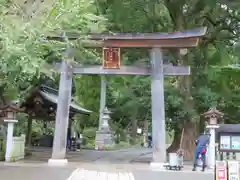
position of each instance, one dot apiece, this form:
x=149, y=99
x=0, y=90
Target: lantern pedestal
x=211, y=149
x=9, y=143
x=103, y=138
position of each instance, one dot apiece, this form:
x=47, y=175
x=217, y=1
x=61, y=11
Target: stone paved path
x=89, y=171
x=100, y=175
x=119, y=156
x=92, y=165
x=34, y=173
x=138, y=175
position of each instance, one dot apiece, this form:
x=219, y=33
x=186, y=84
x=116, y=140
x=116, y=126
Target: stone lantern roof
x=12, y=106
x=213, y=113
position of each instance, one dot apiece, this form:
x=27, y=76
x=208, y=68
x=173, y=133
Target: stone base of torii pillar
x=57, y=162
x=158, y=166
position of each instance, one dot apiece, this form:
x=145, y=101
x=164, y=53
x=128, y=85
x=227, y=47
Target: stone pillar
x=158, y=111
x=9, y=143
x=211, y=149
x=102, y=99
x=212, y=124
x=62, y=117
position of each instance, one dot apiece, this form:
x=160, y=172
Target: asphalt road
x=129, y=164
x=154, y=175
x=34, y=173
x=100, y=172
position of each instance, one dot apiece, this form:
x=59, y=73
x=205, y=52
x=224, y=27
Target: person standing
x=69, y=138
x=201, y=149
x=149, y=140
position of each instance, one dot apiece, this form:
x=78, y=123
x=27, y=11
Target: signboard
x=235, y=143
x=229, y=143
x=221, y=170
x=111, y=58
x=139, y=130
x=225, y=142
x=233, y=170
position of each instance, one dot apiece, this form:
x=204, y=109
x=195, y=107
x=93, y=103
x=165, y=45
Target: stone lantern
x=105, y=119
x=104, y=135
x=9, y=115
x=212, y=116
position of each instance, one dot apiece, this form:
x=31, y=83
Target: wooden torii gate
x=111, y=66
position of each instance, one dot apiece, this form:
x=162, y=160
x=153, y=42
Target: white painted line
x=131, y=177
x=112, y=176
x=101, y=176
x=122, y=176
x=73, y=174
x=82, y=174
x=89, y=175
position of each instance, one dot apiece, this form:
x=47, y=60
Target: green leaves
x=24, y=27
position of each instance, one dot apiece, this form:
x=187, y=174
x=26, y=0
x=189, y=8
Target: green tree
x=196, y=92
x=25, y=48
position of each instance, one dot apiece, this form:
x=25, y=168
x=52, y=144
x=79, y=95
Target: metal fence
x=226, y=155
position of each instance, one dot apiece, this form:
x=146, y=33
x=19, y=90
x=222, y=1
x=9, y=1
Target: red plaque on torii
x=111, y=58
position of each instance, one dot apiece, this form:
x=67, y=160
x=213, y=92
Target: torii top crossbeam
x=185, y=39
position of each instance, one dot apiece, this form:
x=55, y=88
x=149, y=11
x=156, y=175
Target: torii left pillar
x=63, y=104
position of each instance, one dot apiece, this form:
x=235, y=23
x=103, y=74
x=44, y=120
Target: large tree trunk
x=175, y=143
x=188, y=140
x=190, y=121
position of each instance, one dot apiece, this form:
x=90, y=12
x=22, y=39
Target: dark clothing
x=201, y=144
x=68, y=138
x=149, y=138
x=199, y=150
x=203, y=140
x=149, y=141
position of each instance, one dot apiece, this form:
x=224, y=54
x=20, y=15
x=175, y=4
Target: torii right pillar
x=179, y=40
x=212, y=116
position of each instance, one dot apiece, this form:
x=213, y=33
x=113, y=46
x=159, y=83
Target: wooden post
x=29, y=132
